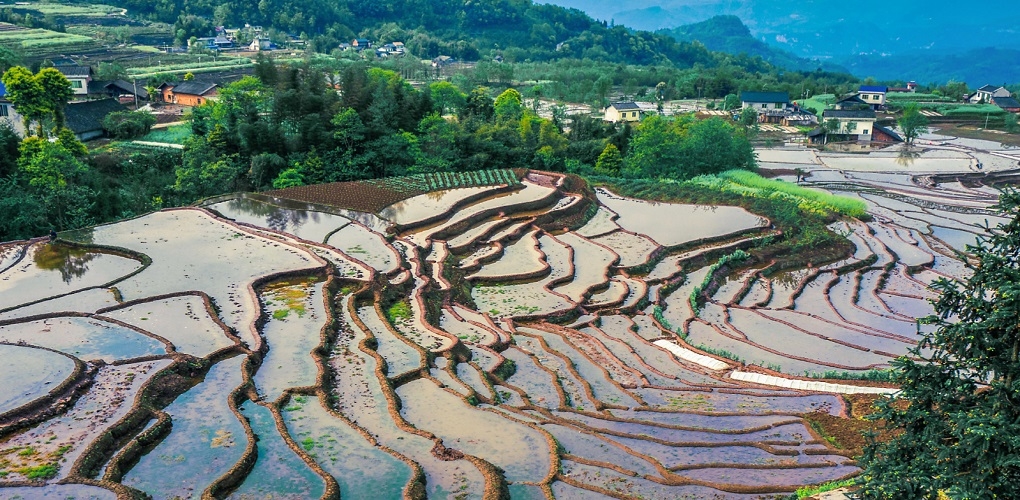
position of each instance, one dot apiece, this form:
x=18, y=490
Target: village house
x=852, y=101
x=85, y=118
x=623, y=112
x=984, y=95
x=873, y=95
x=259, y=44
x=854, y=123
x=442, y=61
x=188, y=93
x=79, y=76
x=10, y=115
x=910, y=88
x=765, y=101
x=1008, y=104
x=361, y=44
x=122, y=90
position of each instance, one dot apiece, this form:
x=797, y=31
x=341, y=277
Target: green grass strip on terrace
x=811, y=200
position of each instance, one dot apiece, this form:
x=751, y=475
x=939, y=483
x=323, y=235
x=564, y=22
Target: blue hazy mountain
x=919, y=38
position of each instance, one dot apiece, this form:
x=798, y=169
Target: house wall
x=875, y=99
x=168, y=94
x=763, y=106
x=79, y=85
x=614, y=115
x=863, y=130
x=1001, y=92
x=13, y=117
x=189, y=99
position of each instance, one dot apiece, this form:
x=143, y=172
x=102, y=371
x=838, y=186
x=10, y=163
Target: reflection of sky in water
x=287, y=217
x=954, y=237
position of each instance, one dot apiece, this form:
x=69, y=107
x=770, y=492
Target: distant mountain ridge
x=729, y=34
x=931, y=42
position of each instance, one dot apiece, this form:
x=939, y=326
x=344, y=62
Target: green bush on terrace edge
x=751, y=184
x=822, y=488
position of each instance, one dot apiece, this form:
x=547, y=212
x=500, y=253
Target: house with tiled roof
x=623, y=112
x=984, y=95
x=191, y=93
x=874, y=95
x=765, y=101
x=1008, y=104
x=79, y=76
x=85, y=118
x=857, y=123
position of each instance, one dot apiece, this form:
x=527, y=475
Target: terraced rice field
x=266, y=348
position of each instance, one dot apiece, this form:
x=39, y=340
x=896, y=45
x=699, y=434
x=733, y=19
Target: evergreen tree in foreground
x=960, y=434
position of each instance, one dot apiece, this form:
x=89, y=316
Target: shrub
x=128, y=124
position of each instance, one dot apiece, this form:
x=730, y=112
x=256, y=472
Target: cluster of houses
x=392, y=49
x=92, y=100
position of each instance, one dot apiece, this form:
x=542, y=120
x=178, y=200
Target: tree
x=1010, y=123
x=748, y=117
x=56, y=90
x=731, y=102
x=9, y=143
x=912, y=123
x=25, y=92
x=958, y=410
x=610, y=161
x=446, y=96
x=509, y=105
x=831, y=127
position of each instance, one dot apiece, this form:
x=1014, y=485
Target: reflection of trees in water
x=72, y=262
x=277, y=219
x=907, y=157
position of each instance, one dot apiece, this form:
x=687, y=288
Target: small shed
x=623, y=112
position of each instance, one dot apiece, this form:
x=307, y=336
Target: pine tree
x=960, y=434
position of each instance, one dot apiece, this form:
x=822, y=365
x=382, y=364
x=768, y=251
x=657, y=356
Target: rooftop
x=86, y=116
x=989, y=88
x=848, y=113
x=1006, y=102
x=626, y=106
x=873, y=88
x=77, y=71
x=764, y=97
x=193, y=87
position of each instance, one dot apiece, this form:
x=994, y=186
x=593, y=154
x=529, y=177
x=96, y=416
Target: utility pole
x=134, y=83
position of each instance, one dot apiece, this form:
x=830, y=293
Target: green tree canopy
x=960, y=431
x=912, y=123
x=509, y=105
x=610, y=161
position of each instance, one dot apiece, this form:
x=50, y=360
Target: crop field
x=67, y=10
x=37, y=42
x=492, y=334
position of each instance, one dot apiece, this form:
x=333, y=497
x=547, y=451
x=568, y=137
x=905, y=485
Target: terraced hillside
x=530, y=339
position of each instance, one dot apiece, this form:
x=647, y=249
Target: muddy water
x=465, y=239
x=206, y=440
x=748, y=404
x=184, y=321
x=193, y=251
x=304, y=223
x=426, y=206
x=296, y=316
x=29, y=374
x=526, y=299
x=465, y=331
x=367, y=246
x=522, y=452
x=520, y=258
x=634, y=250
x=59, y=492
x=591, y=265
x=587, y=445
x=400, y=357
x=109, y=399
x=702, y=334
x=48, y=270
x=84, y=338
x=361, y=469
x=788, y=478
x=539, y=385
x=85, y=301
x=613, y=295
x=636, y=486
x=601, y=223
x=675, y=224
x=278, y=472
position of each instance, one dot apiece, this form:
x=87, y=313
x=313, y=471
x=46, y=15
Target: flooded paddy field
x=522, y=341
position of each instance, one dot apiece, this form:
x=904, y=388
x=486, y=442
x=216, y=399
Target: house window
x=764, y=106
x=3, y=111
x=864, y=132
x=76, y=84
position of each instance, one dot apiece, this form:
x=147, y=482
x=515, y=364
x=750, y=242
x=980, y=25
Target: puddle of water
x=675, y=224
x=54, y=269
x=361, y=469
x=278, y=472
x=303, y=222
x=634, y=250
x=426, y=206
x=84, y=338
x=206, y=440
x=520, y=451
x=184, y=321
x=296, y=317
x=367, y=246
x=61, y=440
x=30, y=374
